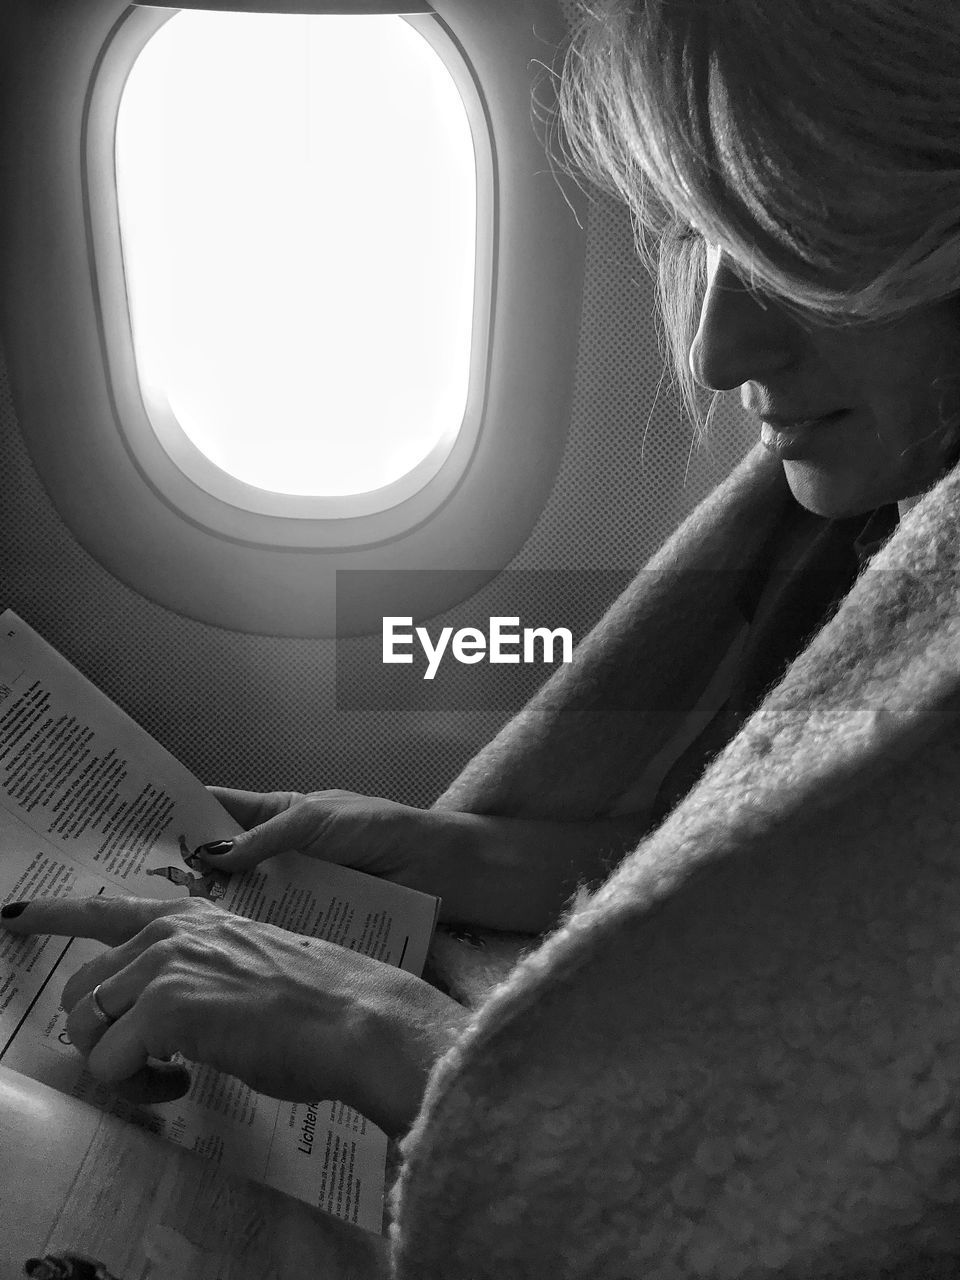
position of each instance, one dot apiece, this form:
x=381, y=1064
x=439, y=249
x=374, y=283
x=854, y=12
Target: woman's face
x=860, y=415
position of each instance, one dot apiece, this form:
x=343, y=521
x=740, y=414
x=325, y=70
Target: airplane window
x=297, y=199
x=314, y=289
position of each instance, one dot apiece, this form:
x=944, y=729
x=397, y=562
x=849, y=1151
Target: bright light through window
x=298, y=220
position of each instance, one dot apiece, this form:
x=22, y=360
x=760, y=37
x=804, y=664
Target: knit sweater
x=741, y=1055
x=806, y=569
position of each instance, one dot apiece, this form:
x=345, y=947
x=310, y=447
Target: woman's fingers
x=374, y=835
x=110, y=920
x=270, y=1007
x=100, y=970
x=251, y=808
x=158, y=1082
x=283, y=821
x=129, y=1053
x=130, y=926
x=125, y=1045
x=293, y=1017
x=95, y=1003
x=85, y=1020
x=123, y=1049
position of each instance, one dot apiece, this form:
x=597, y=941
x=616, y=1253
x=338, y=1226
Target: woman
x=740, y=1055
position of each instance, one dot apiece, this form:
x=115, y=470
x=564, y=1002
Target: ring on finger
x=103, y=1017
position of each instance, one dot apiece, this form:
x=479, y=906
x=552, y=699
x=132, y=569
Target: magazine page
x=77, y=1182
x=90, y=803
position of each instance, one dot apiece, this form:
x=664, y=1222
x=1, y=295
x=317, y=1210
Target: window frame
x=183, y=473
x=252, y=572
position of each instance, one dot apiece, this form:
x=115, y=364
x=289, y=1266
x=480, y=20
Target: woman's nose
x=741, y=337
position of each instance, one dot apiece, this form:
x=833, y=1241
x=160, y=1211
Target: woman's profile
x=729, y=825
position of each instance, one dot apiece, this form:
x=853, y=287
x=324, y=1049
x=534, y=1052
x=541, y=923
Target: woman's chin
x=832, y=496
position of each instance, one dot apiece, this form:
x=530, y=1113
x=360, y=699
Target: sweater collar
x=879, y=525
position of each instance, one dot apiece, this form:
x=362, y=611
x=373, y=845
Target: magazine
x=100, y=1199
x=91, y=804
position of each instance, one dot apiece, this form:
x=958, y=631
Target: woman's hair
x=816, y=141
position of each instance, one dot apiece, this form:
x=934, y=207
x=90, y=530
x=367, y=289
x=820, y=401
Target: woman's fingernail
x=216, y=848
x=12, y=909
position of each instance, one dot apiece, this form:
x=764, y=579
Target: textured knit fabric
x=802, y=572
x=741, y=1056
x=806, y=569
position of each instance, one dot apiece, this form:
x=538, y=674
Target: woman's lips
x=792, y=438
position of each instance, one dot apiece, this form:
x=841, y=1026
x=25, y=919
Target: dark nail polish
x=12, y=909
x=216, y=848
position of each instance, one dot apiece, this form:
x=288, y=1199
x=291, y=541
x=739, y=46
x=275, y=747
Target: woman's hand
x=394, y=841
x=293, y=1017
x=488, y=871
